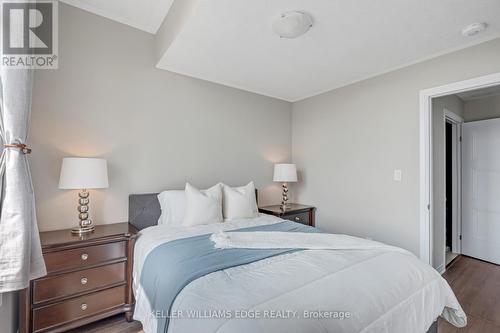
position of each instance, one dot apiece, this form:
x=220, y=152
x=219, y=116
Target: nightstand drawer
x=83, y=256
x=68, y=284
x=299, y=218
x=77, y=308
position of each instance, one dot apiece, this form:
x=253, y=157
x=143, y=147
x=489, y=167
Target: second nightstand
x=296, y=213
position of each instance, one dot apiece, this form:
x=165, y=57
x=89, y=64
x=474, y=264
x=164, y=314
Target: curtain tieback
x=21, y=146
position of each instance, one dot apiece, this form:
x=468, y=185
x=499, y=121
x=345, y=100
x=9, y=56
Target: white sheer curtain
x=20, y=253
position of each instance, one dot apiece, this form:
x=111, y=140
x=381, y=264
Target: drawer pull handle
x=84, y=280
x=83, y=306
x=297, y=218
x=85, y=256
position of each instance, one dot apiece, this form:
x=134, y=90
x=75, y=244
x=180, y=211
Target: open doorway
x=466, y=176
x=471, y=207
x=453, y=184
x=428, y=209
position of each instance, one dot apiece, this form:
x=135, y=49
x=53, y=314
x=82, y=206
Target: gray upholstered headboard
x=144, y=209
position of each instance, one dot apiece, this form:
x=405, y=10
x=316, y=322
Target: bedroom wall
x=482, y=109
x=456, y=105
x=8, y=312
x=347, y=143
x=156, y=129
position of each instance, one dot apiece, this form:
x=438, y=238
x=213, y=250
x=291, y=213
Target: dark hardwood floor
x=477, y=286
x=116, y=324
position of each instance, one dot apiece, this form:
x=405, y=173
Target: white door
x=481, y=190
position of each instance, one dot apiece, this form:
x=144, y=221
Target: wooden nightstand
x=296, y=213
x=88, y=278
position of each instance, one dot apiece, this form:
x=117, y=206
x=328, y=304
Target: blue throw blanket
x=173, y=265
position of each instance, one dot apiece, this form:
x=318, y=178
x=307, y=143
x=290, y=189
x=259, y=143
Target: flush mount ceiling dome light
x=474, y=29
x=292, y=24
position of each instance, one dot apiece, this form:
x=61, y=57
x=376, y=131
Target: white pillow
x=239, y=202
x=203, y=207
x=173, y=207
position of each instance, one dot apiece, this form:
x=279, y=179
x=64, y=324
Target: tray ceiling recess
x=337, y=42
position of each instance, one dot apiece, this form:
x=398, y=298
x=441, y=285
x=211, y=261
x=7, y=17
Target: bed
x=291, y=291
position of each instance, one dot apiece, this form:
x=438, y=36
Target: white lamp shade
x=83, y=173
x=285, y=173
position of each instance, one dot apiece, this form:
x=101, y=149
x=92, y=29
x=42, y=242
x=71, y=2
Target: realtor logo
x=29, y=34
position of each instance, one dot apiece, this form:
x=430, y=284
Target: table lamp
x=285, y=173
x=83, y=174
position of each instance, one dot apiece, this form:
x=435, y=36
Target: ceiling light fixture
x=473, y=29
x=292, y=24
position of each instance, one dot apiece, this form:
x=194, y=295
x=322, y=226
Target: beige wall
x=8, y=312
x=156, y=129
x=482, y=109
x=456, y=105
x=348, y=141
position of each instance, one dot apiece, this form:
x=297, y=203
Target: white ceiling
x=231, y=41
x=146, y=15
x=480, y=93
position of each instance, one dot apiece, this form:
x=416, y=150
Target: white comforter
x=377, y=290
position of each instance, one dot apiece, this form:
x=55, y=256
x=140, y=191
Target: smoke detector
x=473, y=29
x=292, y=24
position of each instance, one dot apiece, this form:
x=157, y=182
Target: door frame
x=456, y=158
x=426, y=96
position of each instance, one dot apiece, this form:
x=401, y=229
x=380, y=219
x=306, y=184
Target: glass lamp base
x=285, y=207
x=82, y=230
x=85, y=224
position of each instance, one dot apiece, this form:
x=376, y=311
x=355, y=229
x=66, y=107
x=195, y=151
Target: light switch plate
x=398, y=175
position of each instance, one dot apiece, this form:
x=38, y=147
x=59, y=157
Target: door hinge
x=460, y=139
x=428, y=206
x=460, y=237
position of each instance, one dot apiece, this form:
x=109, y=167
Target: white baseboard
x=441, y=269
